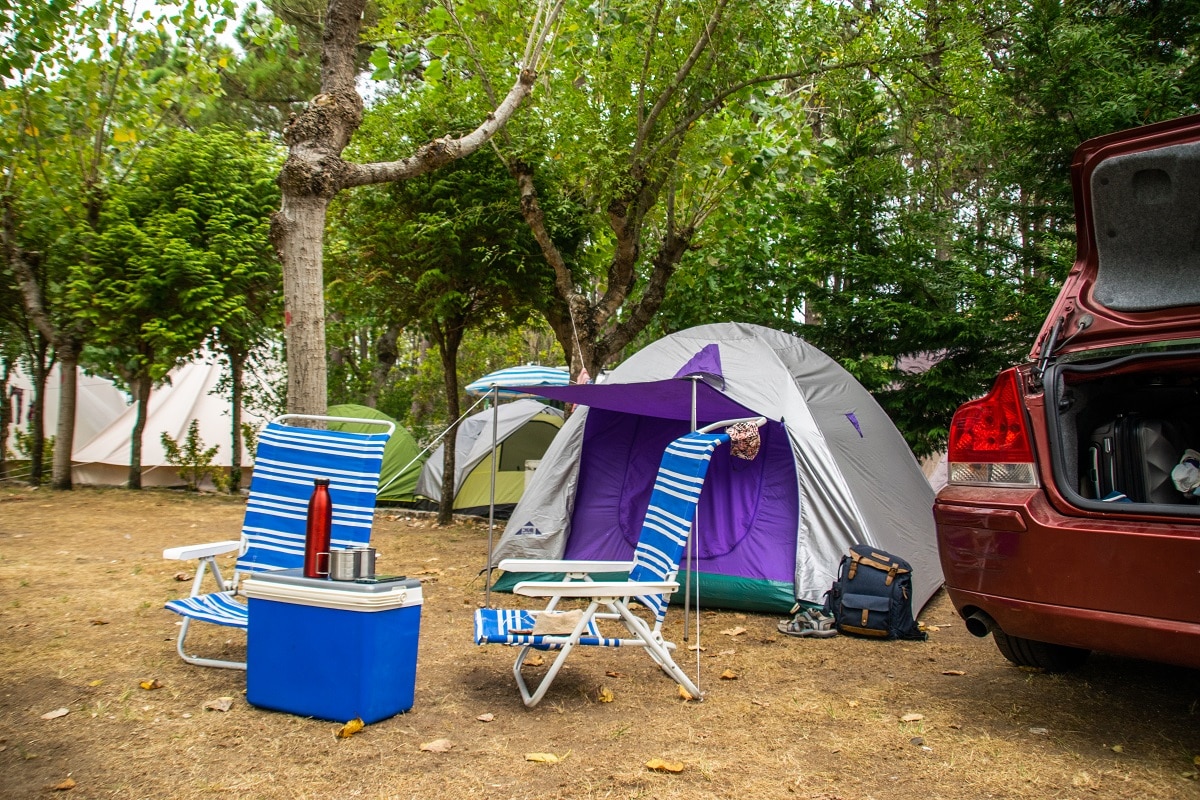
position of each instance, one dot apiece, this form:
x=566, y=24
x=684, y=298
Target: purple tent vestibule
x=832, y=469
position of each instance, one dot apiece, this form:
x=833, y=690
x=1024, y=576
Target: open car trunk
x=1119, y=427
x=1119, y=353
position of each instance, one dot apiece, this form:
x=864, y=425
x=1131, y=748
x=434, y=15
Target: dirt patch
x=82, y=584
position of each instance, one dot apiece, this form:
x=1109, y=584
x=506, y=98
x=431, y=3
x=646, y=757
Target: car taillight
x=989, y=439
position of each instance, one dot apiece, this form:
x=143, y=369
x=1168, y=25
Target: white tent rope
x=432, y=444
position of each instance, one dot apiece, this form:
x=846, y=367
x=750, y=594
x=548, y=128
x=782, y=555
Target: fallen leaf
x=695, y=648
x=728, y=652
x=56, y=713
x=605, y=695
x=1116, y=748
x=543, y=758
x=99, y=622
x=684, y=693
x=183, y=576
x=486, y=717
x=350, y=728
x=1040, y=731
x=438, y=746
x=66, y=785
x=852, y=703
x=760, y=703
x=953, y=672
x=614, y=674
x=917, y=741
x=153, y=683
x=738, y=631
x=658, y=765
x=534, y=660
x=912, y=717
x=729, y=675
x=220, y=704
x=94, y=684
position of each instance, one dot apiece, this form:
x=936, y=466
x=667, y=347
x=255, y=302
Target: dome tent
x=832, y=470
x=402, y=458
x=524, y=429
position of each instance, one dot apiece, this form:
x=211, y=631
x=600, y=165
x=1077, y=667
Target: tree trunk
x=68, y=394
x=314, y=172
x=37, y=418
x=237, y=368
x=386, y=355
x=5, y=415
x=141, y=391
x=449, y=353
x=302, y=223
x=67, y=344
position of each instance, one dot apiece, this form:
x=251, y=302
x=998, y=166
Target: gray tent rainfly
x=832, y=471
x=524, y=429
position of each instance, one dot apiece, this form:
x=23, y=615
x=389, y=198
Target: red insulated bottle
x=316, y=532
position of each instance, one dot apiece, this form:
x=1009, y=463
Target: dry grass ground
x=82, y=584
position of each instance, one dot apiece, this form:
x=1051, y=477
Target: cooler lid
x=1136, y=277
x=290, y=586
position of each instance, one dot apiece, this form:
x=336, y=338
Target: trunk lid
x=1136, y=277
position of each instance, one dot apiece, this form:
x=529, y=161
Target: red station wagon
x=1071, y=520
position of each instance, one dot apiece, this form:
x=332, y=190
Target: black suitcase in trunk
x=1134, y=456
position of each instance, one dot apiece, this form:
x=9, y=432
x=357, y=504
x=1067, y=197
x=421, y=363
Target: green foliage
x=250, y=437
x=177, y=246
x=23, y=445
x=453, y=261
x=194, y=460
x=273, y=75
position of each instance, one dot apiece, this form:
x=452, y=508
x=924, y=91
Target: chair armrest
x=193, y=551
x=553, y=565
x=592, y=588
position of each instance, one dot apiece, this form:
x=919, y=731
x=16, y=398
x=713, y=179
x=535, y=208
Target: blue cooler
x=334, y=650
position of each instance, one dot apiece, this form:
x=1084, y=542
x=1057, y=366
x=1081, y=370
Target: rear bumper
x=1167, y=641
x=1108, y=582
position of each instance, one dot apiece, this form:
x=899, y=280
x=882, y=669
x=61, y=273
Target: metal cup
x=365, y=565
x=343, y=565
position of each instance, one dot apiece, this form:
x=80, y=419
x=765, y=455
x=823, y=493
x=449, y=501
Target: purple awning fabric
x=669, y=399
x=706, y=364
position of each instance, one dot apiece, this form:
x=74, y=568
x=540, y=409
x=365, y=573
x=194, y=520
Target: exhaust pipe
x=980, y=624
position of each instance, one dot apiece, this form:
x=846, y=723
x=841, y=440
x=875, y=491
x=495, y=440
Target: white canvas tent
x=832, y=470
x=97, y=403
x=104, y=461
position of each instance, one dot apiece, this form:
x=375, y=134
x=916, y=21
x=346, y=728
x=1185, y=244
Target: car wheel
x=1028, y=653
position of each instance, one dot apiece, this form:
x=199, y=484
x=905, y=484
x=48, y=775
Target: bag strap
x=877, y=561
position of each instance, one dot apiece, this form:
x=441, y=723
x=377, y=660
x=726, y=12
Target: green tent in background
x=402, y=458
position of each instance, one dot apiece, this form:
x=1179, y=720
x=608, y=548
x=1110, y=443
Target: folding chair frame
x=219, y=607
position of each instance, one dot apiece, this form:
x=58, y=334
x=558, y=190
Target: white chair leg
x=197, y=660
x=659, y=650
x=532, y=699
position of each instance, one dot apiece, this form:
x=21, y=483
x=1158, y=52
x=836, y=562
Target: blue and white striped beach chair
x=651, y=580
x=289, y=458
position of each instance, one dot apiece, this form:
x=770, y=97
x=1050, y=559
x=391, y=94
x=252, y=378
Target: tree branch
x=442, y=151
x=680, y=76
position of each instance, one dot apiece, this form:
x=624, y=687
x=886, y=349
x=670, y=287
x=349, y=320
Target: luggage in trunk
x=1132, y=457
x=1119, y=426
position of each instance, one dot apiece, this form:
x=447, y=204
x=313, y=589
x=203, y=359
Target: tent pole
x=492, y=499
x=687, y=561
